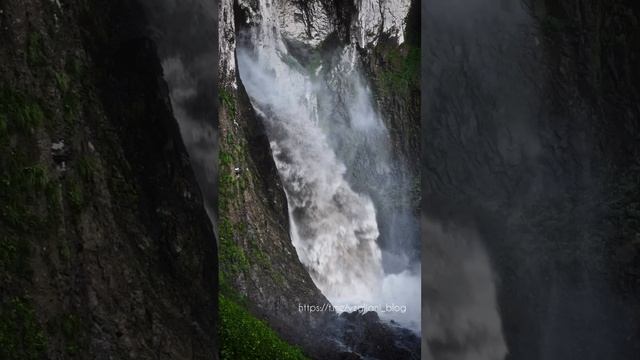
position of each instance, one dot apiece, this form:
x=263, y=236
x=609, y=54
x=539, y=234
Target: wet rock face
x=362, y=22
x=528, y=137
x=365, y=334
x=310, y=22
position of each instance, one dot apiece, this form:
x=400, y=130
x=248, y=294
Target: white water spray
x=320, y=123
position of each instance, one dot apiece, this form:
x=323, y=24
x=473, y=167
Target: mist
x=187, y=39
x=460, y=309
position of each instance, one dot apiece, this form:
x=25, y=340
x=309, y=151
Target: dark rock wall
x=531, y=137
x=107, y=251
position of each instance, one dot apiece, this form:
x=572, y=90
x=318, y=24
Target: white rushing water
x=332, y=151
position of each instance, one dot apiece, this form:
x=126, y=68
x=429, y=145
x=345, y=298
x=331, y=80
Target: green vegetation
x=232, y=257
x=21, y=337
x=226, y=100
x=4, y=123
x=29, y=206
x=71, y=331
x=19, y=215
x=76, y=195
x=35, y=50
x=233, y=260
x=258, y=256
x=62, y=81
x=24, y=182
x=23, y=185
x=71, y=103
x=402, y=72
x=225, y=159
x=225, y=181
x=244, y=337
x=87, y=167
x=18, y=113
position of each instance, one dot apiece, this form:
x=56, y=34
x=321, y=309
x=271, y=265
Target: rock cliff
x=106, y=249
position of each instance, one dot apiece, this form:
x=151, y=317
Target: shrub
x=244, y=337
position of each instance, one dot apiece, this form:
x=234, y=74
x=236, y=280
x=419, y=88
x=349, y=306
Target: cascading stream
x=332, y=151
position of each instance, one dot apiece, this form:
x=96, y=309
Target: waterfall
x=332, y=152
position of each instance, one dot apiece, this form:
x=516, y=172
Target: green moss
x=228, y=184
x=225, y=191
x=227, y=100
x=4, y=121
x=19, y=191
x=19, y=113
x=225, y=158
x=77, y=183
x=54, y=198
x=402, y=72
x=21, y=218
x=87, y=168
x=278, y=278
x=64, y=250
x=62, y=81
x=21, y=337
x=35, y=50
x=259, y=257
x=36, y=177
x=75, y=194
x=71, y=329
x=232, y=258
x=244, y=337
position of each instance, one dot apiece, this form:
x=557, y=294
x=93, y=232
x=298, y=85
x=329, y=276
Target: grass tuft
x=244, y=337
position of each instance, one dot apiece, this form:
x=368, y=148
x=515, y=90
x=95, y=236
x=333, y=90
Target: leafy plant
x=244, y=337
